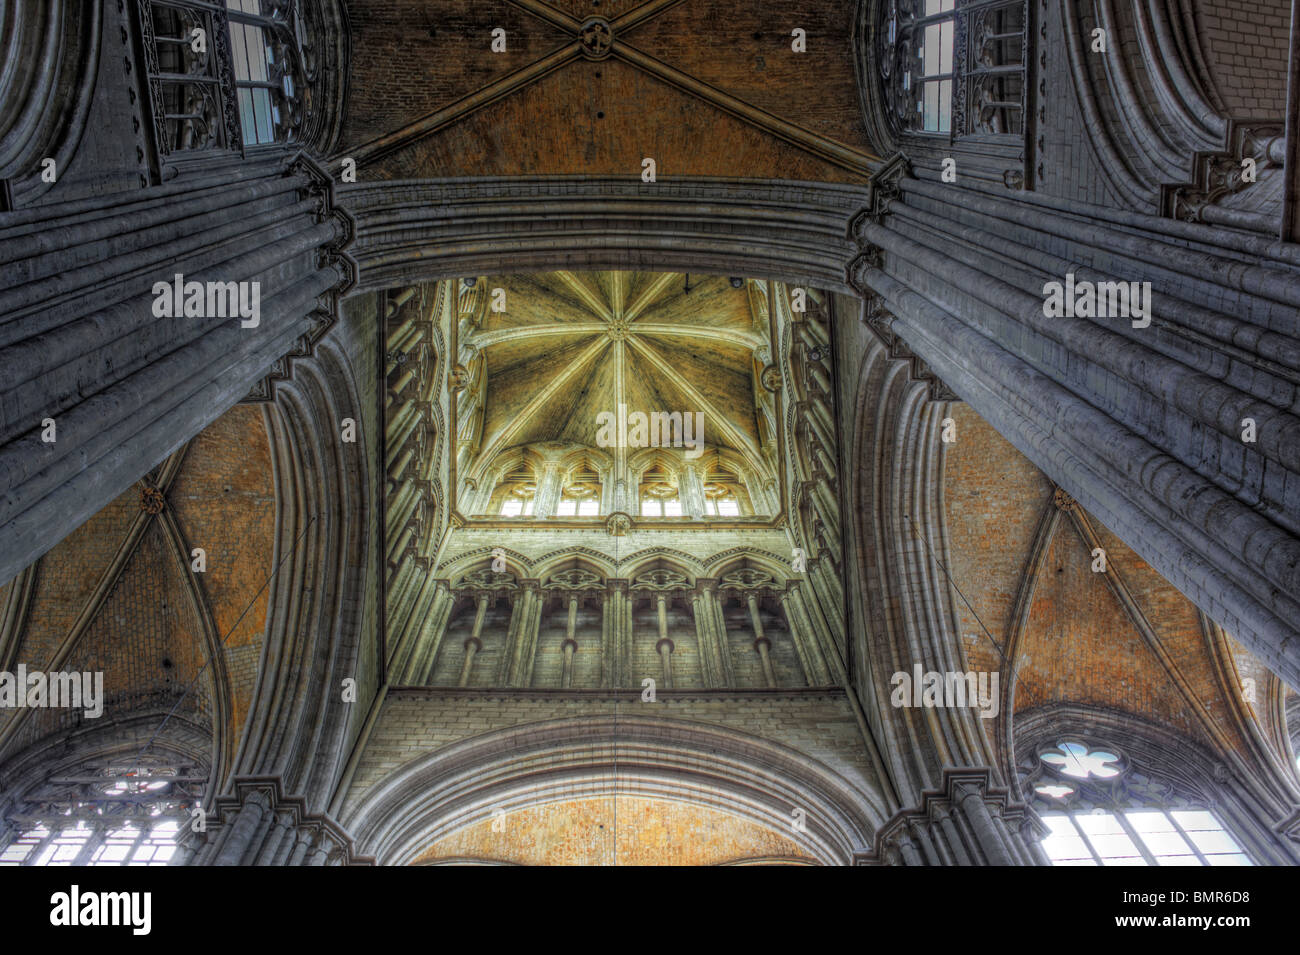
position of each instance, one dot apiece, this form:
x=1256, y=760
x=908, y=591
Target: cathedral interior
x=637, y=432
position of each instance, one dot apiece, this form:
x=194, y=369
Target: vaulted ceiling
x=122, y=593
x=1036, y=603
x=705, y=87
x=570, y=346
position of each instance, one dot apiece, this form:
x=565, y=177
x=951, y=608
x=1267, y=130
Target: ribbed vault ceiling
x=571, y=345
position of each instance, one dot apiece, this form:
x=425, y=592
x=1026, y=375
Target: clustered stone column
x=711, y=635
x=259, y=825
x=810, y=649
x=521, y=637
x=966, y=822
x=1163, y=420
x=616, y=634
x=818, y=512
x=83, y=348
x=415, y=407
x=762, y=645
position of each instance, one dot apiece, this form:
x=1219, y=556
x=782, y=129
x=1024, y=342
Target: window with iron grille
x=228, y=75
x=105, y=814
x=955, y=68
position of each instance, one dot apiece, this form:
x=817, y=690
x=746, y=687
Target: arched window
x=720, y=501
x=195, y=48
x=102, y=815
x=1100, y=811
x=518, y=500
x=918, y=62
x=955, y=66
x=582, y=500
x=934, y=66
x=255, y=68
x=581, y=494
x=725, y=495
x=659, y=495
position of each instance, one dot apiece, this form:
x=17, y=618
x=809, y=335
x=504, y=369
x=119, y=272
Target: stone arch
x=750, y=558
x=1264, y=823
x=660, y=557
x=46, y=97
x=582, y=558
x=1164, y=119
x=492, y=475
x=481, y=558
x=424, y=230
x=641, y=460
x=905, y=604
x=1291, y=712
x=598, y=457
x=299, y=724
x=749, y=484
x=538, y=763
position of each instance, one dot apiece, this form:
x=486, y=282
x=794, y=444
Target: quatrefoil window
x=1077, y=760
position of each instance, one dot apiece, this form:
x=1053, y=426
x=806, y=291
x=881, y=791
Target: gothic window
x=955, y=67
x=725, y=495
x=720, y=501
x=184, y=79
x=659, y=496
x=934, y=65
x=518, y=500
x=660, y=500
x=259, y=112
x=1100, y=811
x=225, y=75
x=581, y=500
x=581, y=494
x=110, y=815
x=994, y=80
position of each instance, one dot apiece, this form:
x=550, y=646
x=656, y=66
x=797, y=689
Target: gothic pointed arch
x=47, y=94
x=763, y=781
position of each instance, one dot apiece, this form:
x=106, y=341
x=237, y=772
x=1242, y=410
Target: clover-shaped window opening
x=1077, y=761
x=1138, y=832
